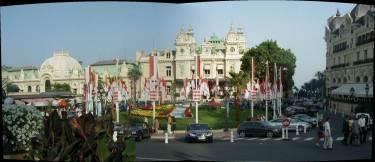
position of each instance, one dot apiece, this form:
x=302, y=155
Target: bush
x=21, y=123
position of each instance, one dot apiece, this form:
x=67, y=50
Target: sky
x=93, y=31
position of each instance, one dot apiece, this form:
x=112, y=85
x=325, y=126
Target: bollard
x=304, y=129
x=286, y=133
x=166, y=137
x=297, y=133
x=231, y=137
x=335, y=111
x=283, y=133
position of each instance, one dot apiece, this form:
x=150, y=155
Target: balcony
x=359, y=62
x=339, y=66
x=364, y=41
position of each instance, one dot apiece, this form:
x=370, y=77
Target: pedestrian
x=350, y=124
x=320, y=133
x=345, y=130
x=355, y=132
x=174, y=123
x=363, y=129
x=327, y=135
x=156, y=125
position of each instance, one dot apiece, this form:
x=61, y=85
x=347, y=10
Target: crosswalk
x=280, y=138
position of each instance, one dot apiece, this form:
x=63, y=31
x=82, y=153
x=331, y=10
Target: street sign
x=196, y=95
x=153, y=96
x=286, y=122
x=253, y=95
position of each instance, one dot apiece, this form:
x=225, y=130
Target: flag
x=267, y=87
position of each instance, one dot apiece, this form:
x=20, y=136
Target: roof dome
x=61, y=65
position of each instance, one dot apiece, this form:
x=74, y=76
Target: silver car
x=293, y=124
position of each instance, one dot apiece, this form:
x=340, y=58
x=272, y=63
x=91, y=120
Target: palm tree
x=134, y=74
x=238, y=82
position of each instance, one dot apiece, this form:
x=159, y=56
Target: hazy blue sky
x=91, y=31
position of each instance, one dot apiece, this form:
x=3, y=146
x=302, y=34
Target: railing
x=369, y=60
x=339, y=66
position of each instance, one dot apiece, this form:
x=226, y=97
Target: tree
x=134, y=74
x=271, y=52
x=61, y=87
x=314, y=87
x=238, y=82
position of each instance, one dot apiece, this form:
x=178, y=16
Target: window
x=358, y=79
x=345, y=80
x=37, y=88
x=192, y=72
x=28, y=88
x=207, y=72
x=365, y=54
x=365, y=79
x=232, y=49
x=168, y=55
x=169, y=89
x=220, y=71
x=182, y=50
x=334, y=80
x=334, y=61
x=358, y=56
x=168, y=71
x=339, y=80
x=75, y=90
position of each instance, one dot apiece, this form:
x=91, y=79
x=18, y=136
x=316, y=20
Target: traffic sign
x=153, y=96
x=286, y=122
x=196, y=95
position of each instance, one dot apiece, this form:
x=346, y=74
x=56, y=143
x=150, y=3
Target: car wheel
x=139, y=137
x=210, y=140
x=269, y=134
x=300, y=128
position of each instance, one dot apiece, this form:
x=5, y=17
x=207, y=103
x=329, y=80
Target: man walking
x=345, y=130
x=327, y=135
x=355, y=132
x=363, y=130
x=320, y=132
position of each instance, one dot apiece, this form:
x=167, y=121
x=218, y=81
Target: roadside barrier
x=166, y=137
x=231, y=137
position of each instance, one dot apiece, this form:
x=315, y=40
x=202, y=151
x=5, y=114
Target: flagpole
x=267, y=73
x=196, y=87
x=252, y=87
x=117, y=103
x=273, y=96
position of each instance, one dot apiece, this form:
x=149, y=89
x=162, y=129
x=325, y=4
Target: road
x=298, y=148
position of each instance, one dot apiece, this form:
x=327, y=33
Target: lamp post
x=352, y=96
x=227, y=106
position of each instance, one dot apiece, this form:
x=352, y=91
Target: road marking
x=264, y=139
x=296, y=138
x=309, y=139
x=278, y=139
x=145, y=158
x=339, y=138
x=249, y=139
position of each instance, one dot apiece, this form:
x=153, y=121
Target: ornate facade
x=217, y=57
x=350, y=52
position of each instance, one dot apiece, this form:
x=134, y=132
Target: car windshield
x=198, y=127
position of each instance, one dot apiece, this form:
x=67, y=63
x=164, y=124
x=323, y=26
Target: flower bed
x=21, y=123
x=157, y=107
x=214, y=104
x=162, y=111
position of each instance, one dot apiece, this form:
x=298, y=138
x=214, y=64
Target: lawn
x=214, y=117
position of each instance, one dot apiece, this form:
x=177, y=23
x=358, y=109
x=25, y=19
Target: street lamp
x=227, y=105
x=352, y=96
x=367, y=89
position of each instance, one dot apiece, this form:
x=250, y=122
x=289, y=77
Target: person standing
x=169, y=124
x=320, y=133
x=355, y=132
x=327, y=135
x=363, y=130
x=345, y=130
x=156, y=126
x=174, y=123
x=350, y=124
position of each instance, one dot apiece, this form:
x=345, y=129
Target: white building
x=217, y=57
x=350, y=57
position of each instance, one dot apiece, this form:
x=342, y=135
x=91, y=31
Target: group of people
x=355, y=130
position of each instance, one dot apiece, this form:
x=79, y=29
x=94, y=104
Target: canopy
x=359, y=90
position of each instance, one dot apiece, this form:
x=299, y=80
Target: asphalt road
x=298, y=148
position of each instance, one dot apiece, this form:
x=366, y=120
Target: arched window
x=28, y=88
x=232, y=49
x=345, y=80
x=47, y=85
x=365, y=79
x=334, y=80
x=37, y=88
x=357, y=79
x=339, y=80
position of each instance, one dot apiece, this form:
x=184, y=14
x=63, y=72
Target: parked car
x=198, y=132
x=293, y=124
x=139, y=131
x=258, y=128
x=293, y=110
x=305, y=118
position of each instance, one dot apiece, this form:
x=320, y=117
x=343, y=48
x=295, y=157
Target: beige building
x=350, y=58
x=217, y=56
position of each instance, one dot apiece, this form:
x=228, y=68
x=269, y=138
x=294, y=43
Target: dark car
x=258, y=128
x=198, y=132
x=138, y=130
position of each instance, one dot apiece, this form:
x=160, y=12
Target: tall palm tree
x=134, y=74
x=238, y=82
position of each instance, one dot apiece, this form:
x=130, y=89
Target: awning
x=220, y=66
x=359, y=90
x=41, y=103
x=207, y=67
